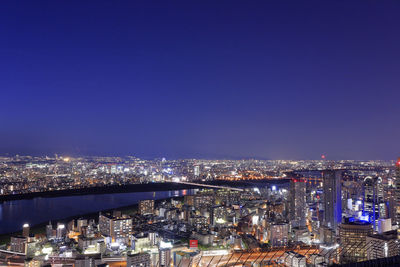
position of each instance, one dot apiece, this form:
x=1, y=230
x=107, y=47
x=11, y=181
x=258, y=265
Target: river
x=13, y=214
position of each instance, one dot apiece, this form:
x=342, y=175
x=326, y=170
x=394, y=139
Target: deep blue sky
x=217, y=79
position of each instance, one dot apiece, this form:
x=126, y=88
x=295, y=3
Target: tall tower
x=332, y=198
x=25, y=230
x=373, y=198
x=297, y=203
x=397, y=194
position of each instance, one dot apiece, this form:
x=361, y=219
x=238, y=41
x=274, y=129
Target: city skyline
x=199, y=133
x=201, y=80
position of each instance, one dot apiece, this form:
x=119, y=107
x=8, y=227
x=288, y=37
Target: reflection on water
x=13, y=214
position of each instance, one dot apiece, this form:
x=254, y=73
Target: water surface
x=13, y=214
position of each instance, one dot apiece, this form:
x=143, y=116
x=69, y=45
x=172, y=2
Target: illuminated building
x=397, y=194
x=153, y=238
x=227, y=197
x=196, y=171
x=25, y=230
x=279, y=234
x=373, y=198
x=205, y=199
x=61, y=231
x=164, y=257
x=333, y=199
x=91, y=245
x=81, y=223
x=218, y=215
x=49, y=231
x=317, y=259
x=146, y=207
x=115, y=227
x=297, y=203
x=384, y=225
x=353, y=240
x=199, y=222
x=138, y=260
x=18, y=244
x=294, y=259
x=383, y=245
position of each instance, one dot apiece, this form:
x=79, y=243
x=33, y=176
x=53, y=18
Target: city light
x=199, y=134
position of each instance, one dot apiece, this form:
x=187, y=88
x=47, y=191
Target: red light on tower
x=398, y=162
x=323, y=156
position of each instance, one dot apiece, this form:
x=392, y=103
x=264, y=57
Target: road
x=211, y=186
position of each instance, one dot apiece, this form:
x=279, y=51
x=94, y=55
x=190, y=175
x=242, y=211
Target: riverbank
x=37, y=211
x=130, y=188
x=110, y=189
x=40, y=228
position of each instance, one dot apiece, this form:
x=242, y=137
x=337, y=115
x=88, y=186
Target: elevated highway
x=211, y=186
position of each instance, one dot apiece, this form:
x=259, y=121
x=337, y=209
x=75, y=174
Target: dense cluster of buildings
x=323, y=214
x=26, y=174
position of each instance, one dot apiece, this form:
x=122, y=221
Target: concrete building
x=61, y=231
x=373, y=199
x=332, y=198
x=294, y=259
x=18, y=244
x=353, y=240
x=49, y=231
x=81, y=223
x=164, y=257
x=138, y=260
x=146, y=207
x=397, y=193
x=278, y=234
x=297, y=205
x=115, y=227
x=383, y=245
x=384, y=225
x=25, y=230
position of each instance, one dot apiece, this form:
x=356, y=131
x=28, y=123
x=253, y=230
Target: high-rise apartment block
x=115, y=227
x=297, y=203
x=332, y=198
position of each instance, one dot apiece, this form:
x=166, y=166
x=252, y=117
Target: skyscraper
x=373, y=198
x=25, y=230
x=397, y=194
x=49, y=231
x=332, y=198
x=298, y=203
x=115, y=227
x=196, y=171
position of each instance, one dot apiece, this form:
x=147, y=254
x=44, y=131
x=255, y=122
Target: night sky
x=203, y=79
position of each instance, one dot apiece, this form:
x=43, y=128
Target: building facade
x=353, y=240
x=332, y=198
x=138, y=260
x=298, y=203
x=146, y=207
